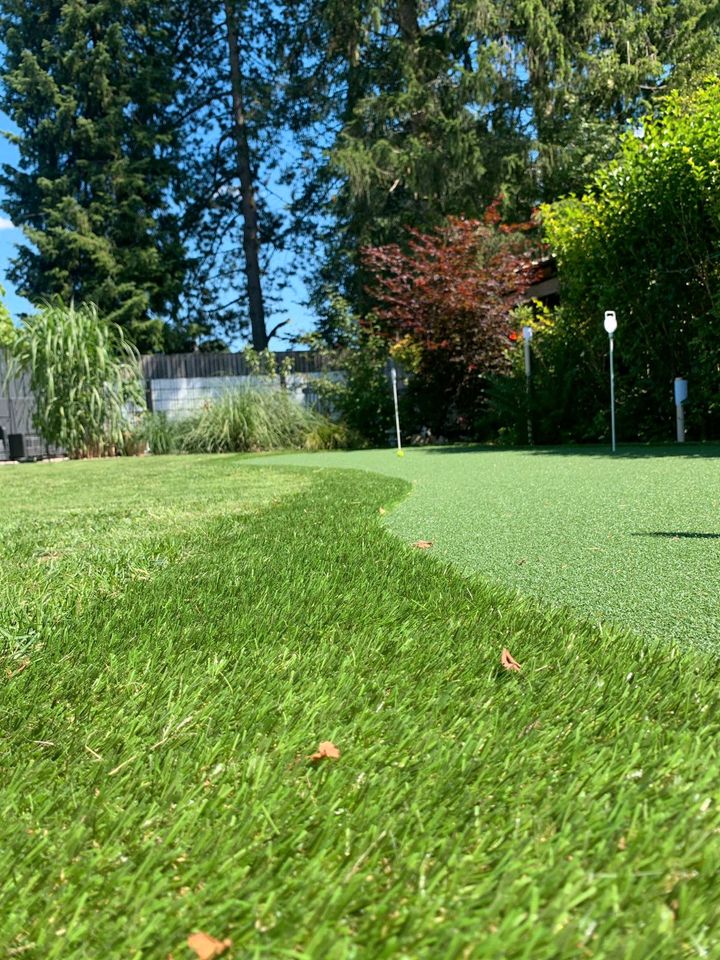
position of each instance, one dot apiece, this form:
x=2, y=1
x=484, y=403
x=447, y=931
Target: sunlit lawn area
x=179, y=634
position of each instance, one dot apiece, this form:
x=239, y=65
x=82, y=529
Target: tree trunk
x=249, y=207
x=407, y=20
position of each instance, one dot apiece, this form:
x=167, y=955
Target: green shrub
x=644, y=241
x=328, y=435
x=160, y=434
x=362, y=397
x=558, y=406
x=7, y=329
x=253, y=418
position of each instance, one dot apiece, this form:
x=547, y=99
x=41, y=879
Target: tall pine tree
x=434, y=107
x=234, y=223
x=581, y=73
x=93, y=88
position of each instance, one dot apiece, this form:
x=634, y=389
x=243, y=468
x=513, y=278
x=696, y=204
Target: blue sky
x=290, y=306
x=9, y=235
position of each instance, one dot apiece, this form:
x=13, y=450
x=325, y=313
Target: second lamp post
x=611, y=327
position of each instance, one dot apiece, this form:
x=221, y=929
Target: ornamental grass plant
x=84, y=376
x=251, y=419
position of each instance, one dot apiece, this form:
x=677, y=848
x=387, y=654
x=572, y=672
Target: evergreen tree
x=93, y=88
x=396, y=85
x=580, y=74
x=435, y=108
x=256, y=306
x=234, y=223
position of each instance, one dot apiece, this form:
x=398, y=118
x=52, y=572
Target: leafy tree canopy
x=450, y=292
x=7, y=329
x=139, y=173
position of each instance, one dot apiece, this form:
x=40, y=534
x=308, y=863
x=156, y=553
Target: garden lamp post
x=527, y=337
x=611, y=327
x=681, y=395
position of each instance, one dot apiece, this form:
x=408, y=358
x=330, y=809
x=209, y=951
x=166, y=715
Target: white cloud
x=6, y=224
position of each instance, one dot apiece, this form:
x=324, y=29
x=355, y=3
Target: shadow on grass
x=629, y=452
x=676, y=535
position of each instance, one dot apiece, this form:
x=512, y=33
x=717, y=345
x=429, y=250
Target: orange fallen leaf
x=207, y=947
x=508, y=661
x=326, y=750
x=13, y=673
x=423, y=544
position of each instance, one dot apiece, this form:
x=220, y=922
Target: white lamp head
x=527, y=333
x=610, y=321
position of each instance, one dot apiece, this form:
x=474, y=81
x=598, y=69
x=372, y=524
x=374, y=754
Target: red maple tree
x=452, y=290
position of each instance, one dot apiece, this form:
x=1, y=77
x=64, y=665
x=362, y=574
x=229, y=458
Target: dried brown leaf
x=326, y=751
x=13, y=673
x=423, y=544
x=207, y=947
x=508, y=661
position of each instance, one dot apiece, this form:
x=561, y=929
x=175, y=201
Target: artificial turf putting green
x=632, y=538
x=179, y=635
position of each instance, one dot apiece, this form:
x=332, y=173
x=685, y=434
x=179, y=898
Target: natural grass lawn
x=179, y=636
x=633, y=539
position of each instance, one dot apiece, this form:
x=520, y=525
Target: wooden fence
x=175, y=383
x=181, y=366
x=17, y=406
